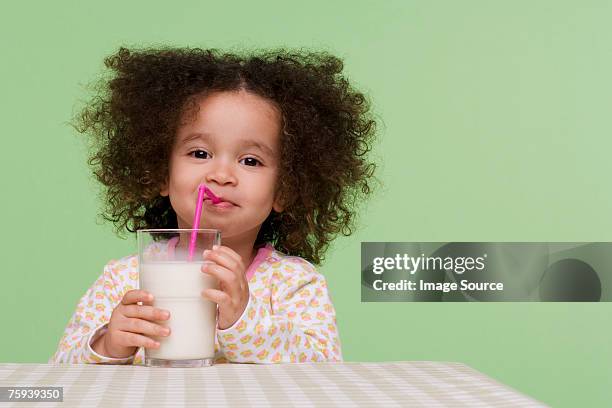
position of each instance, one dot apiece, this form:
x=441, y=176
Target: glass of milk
x=176, y=282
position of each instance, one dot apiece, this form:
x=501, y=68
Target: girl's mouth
x=220, y=205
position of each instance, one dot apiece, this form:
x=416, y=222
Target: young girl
x=281, y=138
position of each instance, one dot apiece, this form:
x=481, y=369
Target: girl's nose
x=221, y=174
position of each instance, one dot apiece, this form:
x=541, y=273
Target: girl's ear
x=164, y=190
x=278, y=205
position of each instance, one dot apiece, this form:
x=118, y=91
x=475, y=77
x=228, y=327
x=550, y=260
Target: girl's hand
x=130, y=324
x=233, y=295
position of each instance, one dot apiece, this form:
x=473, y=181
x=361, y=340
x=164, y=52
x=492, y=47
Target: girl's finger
x=219, y=297
x=223, y=258
x=226, y=277
x=230, y=252
x=140, y=326
x=128, y=339
x=145, y=312
x=137, y=295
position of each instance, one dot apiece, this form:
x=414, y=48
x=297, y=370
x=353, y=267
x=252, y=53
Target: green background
x=495, y=124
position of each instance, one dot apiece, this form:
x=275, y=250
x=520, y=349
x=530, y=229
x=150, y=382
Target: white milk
x=177, y=287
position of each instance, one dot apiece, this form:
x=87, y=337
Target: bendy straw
x=196, y=221
x=202, y=189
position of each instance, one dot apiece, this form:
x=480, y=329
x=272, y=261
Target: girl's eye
x=200, y=154
x=203, y=154
x=251, y=161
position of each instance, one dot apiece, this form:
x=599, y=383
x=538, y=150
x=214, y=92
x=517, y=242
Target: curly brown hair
x=327, y=129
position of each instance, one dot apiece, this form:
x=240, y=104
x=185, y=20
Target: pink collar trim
x=260, y=257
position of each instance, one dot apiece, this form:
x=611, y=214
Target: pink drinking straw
x=198, y=214
x=212, y=195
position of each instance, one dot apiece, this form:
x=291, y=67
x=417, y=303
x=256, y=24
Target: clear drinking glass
x=176, y=283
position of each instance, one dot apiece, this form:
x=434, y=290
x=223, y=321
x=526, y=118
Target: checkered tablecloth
x=388, y=384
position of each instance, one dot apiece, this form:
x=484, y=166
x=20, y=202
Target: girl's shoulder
x=156, y=250
x=128, y=263
x=273, y=255
x=282, y=265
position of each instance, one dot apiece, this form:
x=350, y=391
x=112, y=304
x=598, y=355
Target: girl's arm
x=92, y=314
x=292, y=320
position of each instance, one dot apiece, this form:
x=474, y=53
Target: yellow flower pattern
x=289, y=316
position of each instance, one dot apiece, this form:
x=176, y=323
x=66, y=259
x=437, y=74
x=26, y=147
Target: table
x=388, y=384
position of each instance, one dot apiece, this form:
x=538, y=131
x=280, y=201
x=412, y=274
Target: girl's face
x=232, y=146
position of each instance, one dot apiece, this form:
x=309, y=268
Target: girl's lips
x=222, y=204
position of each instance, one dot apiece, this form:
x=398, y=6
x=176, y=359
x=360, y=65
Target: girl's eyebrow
x=194, y=136
x=244, y=142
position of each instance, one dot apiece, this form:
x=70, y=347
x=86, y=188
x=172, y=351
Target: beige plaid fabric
x=388, y=384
